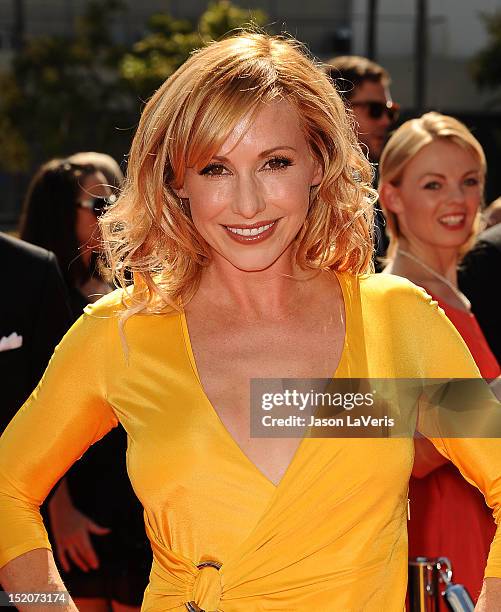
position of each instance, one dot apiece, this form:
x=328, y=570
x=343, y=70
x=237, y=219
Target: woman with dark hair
x=96, y=524
x=59, y=214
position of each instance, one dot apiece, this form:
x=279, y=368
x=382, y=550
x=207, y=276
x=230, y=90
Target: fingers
x=77, y=548
x=61, y=557
x=82, y=553
x=97, y=529
x=78, y=558
x=87, y=553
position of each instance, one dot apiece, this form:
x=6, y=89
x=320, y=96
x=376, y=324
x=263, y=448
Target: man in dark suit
x=34, y=315
x=479, y=278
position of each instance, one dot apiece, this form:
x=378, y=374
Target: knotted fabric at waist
x=181, y=583
x=207, y=589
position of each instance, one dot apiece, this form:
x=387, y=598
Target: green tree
x=152, y=59
x=222, y=17
x=58, y=96
x=486, y=65
x=169, y=43
x=85, y=92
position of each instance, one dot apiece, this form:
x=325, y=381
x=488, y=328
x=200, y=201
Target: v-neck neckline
x=342, y=369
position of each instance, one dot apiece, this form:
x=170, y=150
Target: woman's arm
x=65, y=415
x=464, y=424
x=427, y=458
x=490, y=596
x=35, y=572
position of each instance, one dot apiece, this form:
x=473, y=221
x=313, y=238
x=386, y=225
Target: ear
x=390, y=197
x=318, y=174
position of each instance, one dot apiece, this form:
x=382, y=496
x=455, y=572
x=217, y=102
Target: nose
x=248, y=199
x=456, y=193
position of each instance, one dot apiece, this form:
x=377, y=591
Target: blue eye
x=471, y=182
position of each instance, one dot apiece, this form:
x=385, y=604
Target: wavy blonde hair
x=405, y=143
x=149, y=231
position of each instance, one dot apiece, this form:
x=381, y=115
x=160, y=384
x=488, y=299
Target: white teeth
x=452, y=219
x=255, y=231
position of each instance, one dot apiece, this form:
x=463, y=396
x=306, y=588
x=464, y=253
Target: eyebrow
x=473, y=171
x=261, y=155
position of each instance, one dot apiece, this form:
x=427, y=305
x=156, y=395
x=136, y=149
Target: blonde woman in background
x=432, y=174
x=246, y=220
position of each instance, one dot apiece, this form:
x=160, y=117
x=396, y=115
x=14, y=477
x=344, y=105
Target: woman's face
x=87, y=229
x=439, y=195
x=251, y=200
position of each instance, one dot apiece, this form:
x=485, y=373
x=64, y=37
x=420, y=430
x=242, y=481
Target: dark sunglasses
x=98, y=205
x=377, y=109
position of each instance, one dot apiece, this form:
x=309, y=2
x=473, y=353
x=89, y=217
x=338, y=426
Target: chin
x=251, y=263
x=453, y=244
x=253, y=258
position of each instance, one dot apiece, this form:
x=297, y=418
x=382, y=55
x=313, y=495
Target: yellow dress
x=332, y=536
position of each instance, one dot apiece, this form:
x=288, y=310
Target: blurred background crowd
x=74, y=75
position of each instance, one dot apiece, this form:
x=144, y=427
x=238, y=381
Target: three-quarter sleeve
x=66, y=413
x=469, y=406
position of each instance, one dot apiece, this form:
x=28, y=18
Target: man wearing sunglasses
x=365, y=89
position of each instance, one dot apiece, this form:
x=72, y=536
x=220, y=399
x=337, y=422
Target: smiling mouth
x=251, y=233
x=453, y=221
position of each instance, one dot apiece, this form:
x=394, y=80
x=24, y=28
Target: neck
x=273, y=292
x=442, y=261
x=426, y=268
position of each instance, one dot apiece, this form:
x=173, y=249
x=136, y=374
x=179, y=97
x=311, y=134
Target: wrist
x=60, y=501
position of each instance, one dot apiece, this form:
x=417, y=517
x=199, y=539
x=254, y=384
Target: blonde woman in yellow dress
x=246, y=221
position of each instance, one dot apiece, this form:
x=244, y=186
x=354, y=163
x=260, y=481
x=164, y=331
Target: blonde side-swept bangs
x=149, y=233
x=405, y=143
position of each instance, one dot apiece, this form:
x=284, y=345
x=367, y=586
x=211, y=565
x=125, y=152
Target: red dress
x=449, y=517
